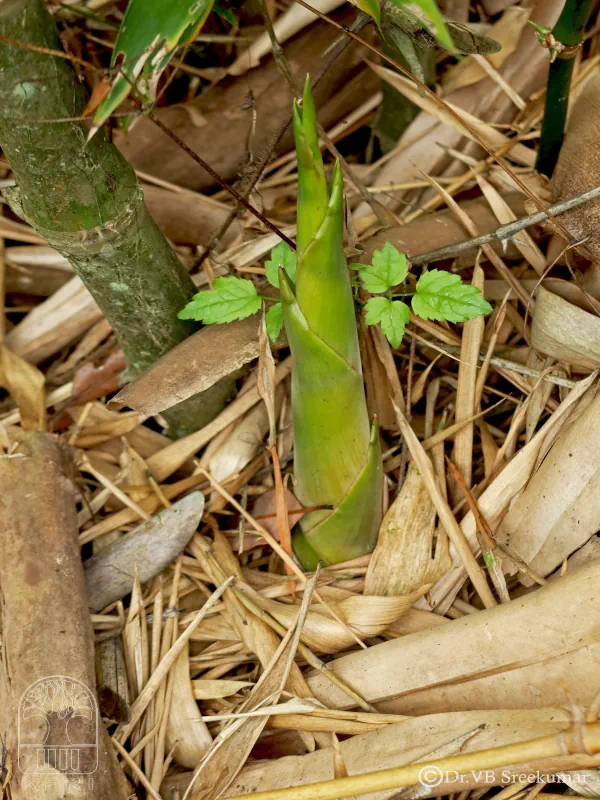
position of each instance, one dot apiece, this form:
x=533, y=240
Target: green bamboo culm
x=85, y=200
x=568, y=31
x=337, y=455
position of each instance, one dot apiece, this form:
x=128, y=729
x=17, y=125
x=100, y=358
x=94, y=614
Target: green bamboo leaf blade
x=145, y=44
x=313, y=195
x=331, y=428
x=351, y=529
x=323, y=288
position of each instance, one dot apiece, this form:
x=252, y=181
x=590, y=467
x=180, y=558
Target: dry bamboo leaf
x=25, y=384
x=218, y=561
x=265, y=511
x=578, y=167
x=492, y=137
x=401, y=743
x=447, y=519
x=472, y=338
x=286, y=25
x=366, y=616
x=193, y=366
x=506, y=32
x=233, y=745
x=558, y=511
x=562, y=679
x=204, y=689
x=150, y=548
x=559, y=618
x=265, y=379
x=160, y=673
x=55, y=323
x=495, y=499
x=567, y=333
x=523, y=240
x=187, y=735
x=111, y=676
x=244, y=442
x=91, y=382
x=163, y=463
x=402, y=560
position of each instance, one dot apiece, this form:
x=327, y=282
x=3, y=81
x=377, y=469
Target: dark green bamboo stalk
x=85, y=200
x=568, y=32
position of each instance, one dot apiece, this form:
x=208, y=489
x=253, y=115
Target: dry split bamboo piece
x=47, y=677
x=557, y=619
x=422, y=739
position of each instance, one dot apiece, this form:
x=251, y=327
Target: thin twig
x=507, y=231
x=215, y=175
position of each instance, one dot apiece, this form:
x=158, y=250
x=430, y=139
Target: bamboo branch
x=507, y=231
x=582, y=739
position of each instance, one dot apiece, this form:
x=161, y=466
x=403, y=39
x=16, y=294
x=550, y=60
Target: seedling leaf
x=281, y=256
x=441, y=295
x=230, y=298
x=389, y=268
x=274, y=321
x=391, y=315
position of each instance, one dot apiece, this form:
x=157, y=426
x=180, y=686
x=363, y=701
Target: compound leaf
x=441, y=295
x=230, y=298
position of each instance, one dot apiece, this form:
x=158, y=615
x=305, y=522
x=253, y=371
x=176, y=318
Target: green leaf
x=281, y=256
x=274, y=321
x=230, y=298
x=146, y=42
x=370, y=7
x=441, y=295
x=392, y=316
x=389, y=268
x=432, y=14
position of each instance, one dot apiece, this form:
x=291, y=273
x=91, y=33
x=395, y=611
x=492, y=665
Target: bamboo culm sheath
x=337, y=456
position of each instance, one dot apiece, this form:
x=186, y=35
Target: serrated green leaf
x=432, y=14
x=389, y=268
x=274, y=321
x=393, y=317
x=441, y=295
x=281, y=256
x=145, y=44
x=230, y=298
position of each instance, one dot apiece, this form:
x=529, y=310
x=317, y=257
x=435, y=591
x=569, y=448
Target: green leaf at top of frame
x=281, y=256
x=146, y=42
x=441, y=295
x=389, y=268
x=370, y=7
x=430, y=13
x=392, y=315
x=230, y=298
